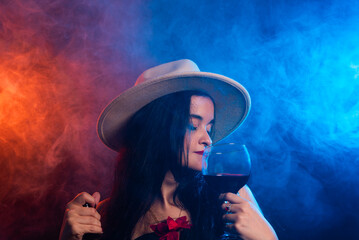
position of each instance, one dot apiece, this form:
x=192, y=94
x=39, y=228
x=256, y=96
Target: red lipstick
x=199, y=152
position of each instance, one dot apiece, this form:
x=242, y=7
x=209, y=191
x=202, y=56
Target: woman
x=160, y=128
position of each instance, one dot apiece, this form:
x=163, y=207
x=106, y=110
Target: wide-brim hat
x=232, y=101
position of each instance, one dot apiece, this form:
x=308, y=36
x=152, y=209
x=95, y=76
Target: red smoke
x=55, y=78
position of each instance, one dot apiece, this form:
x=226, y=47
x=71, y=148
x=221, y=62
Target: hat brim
x=231, y=99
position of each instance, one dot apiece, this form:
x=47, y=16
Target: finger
x=94, y=229
x=83, y=198
x=230, y=218
x=230, y=228
x=89, y=220
x=226, y=206
x=82, y=229
x=97, y=197
x=229, y=207
x=232, y=198
x=88, y=212
x=235, y=208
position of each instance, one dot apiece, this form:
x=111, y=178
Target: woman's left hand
x=245, y=218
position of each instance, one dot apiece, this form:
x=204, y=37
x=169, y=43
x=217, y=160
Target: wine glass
x=226, y=167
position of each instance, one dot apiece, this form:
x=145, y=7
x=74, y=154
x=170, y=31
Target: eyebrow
x=200, y=118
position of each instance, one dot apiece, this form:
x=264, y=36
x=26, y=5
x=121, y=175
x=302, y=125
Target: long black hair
x=152, y=145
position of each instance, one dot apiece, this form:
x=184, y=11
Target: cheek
x=188, y=141
x=191, y=143
x=189, y=147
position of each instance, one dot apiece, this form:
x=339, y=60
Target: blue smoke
x=300, y=62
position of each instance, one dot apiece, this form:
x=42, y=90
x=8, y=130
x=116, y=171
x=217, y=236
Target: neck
x=169, y=186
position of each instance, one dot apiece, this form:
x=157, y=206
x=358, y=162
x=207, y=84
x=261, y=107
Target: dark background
x=61, y=62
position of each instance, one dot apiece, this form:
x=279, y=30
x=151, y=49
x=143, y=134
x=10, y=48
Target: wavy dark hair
x=152, y=145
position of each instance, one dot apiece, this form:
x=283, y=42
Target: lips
x=199, y=152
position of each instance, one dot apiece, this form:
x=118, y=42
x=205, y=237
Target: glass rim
x=224, y=144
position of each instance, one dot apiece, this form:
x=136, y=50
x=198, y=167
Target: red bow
x=168, y=230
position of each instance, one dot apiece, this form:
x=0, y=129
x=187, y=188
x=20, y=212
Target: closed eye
x=191, y=127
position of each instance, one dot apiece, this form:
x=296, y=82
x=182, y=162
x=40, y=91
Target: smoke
x=298, y=60
x=61, y=62
x=55, y=78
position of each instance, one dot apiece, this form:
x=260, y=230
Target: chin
x=195, y=162
x=195, y=167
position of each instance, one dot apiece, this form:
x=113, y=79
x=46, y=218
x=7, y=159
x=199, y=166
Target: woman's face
x=197, y=133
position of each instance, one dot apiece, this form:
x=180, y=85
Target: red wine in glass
x=226, y=168
x=225, y=182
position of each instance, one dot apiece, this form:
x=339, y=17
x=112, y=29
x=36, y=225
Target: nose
x=205, y=139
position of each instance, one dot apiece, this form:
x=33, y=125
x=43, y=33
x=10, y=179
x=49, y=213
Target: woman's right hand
x=78, y=219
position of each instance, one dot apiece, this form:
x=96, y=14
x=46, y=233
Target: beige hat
x=231, y=99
